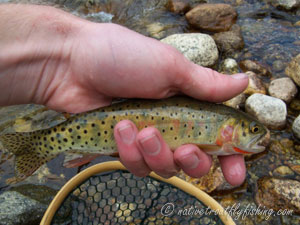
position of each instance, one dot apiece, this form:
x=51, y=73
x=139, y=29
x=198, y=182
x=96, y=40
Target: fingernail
x=240, y=76
x=189, y=162
x=127, y=134
x=151, y=145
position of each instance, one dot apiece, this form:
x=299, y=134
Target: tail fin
x=29, y=154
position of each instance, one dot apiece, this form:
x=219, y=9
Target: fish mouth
x=259, y=143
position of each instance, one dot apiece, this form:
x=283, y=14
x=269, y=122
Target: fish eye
x=254, y=127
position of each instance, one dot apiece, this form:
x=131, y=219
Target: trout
x=215, y=128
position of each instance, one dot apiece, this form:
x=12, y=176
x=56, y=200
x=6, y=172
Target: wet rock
x=249, y=65
x=178, y=6
x=231, y=41
x=283, y=171
x=278, y=66
x=213, y=181
x=212, y=17
x=296, y=127
x=269, y=110
x=293, y=69
x=255, y=85
x=286, y=4
x=18, y=209
x=199, y=48
x=237, y=101
x=283, y=88
x=229, y=66
x=295, y=104
x=279, y=194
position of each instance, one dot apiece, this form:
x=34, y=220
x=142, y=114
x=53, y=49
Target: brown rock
x=237, y=101
x=249, y=65
x=255, y=85
x=293, y=69
x=178, y=6
x=212, y=17
x=231, y=41
x=278, y=194
x=212, y=181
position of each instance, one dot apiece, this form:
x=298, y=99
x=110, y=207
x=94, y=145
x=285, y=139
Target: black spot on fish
x=206, y=127
x=244, y=134
x=85, y=131
x=72, y=143
x=163, y=118
x=103, y=122
x=55, y=130
x=152, y=118
x=70, y=130
x=99, y=134
x=49, y=131
x=78, y=137
x=51, y=147
x=52, y=138
x=137, y=117
x=45, y=139
x=63, y=129
x=105, y=140
x=200, y=133
x=163, y=130
x=91, y=139
x=171, y=128
x=57, y=135
x=105, y=132
x=93, y=125
x=59, y=147
x=78, y=127
x=114, y=117
x=175, y=138
x=86, y=143
x=112, y=127
x=65, y=140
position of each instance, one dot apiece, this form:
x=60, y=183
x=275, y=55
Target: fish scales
x=180, y=120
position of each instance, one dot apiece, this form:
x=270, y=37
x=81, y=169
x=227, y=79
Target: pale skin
x=52, y=58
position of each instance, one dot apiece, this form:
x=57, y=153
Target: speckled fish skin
x=216, y=128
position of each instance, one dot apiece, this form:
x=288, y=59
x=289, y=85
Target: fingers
x=125, y=135
x=193, y=162
x=156, y=152
x=144, y=151
x=234, y=169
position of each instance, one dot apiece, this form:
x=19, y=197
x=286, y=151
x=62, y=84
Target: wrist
x=35, y=45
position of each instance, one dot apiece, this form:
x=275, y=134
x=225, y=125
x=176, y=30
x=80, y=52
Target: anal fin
x=84, y=159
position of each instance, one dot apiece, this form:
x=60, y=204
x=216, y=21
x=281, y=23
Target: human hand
x=90, y=64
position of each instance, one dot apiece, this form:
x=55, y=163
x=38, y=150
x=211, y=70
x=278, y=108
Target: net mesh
x=119, y=197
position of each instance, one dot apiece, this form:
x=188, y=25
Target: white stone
x=269, y=110
x=198, y=48
x=283, y=88
x=296, y=127
x=287, y=4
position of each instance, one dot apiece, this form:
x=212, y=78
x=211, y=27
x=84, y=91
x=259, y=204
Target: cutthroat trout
x=215, y=128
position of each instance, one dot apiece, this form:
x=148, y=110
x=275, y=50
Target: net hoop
x=116, y=165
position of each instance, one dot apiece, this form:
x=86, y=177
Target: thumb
x=207, y=84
